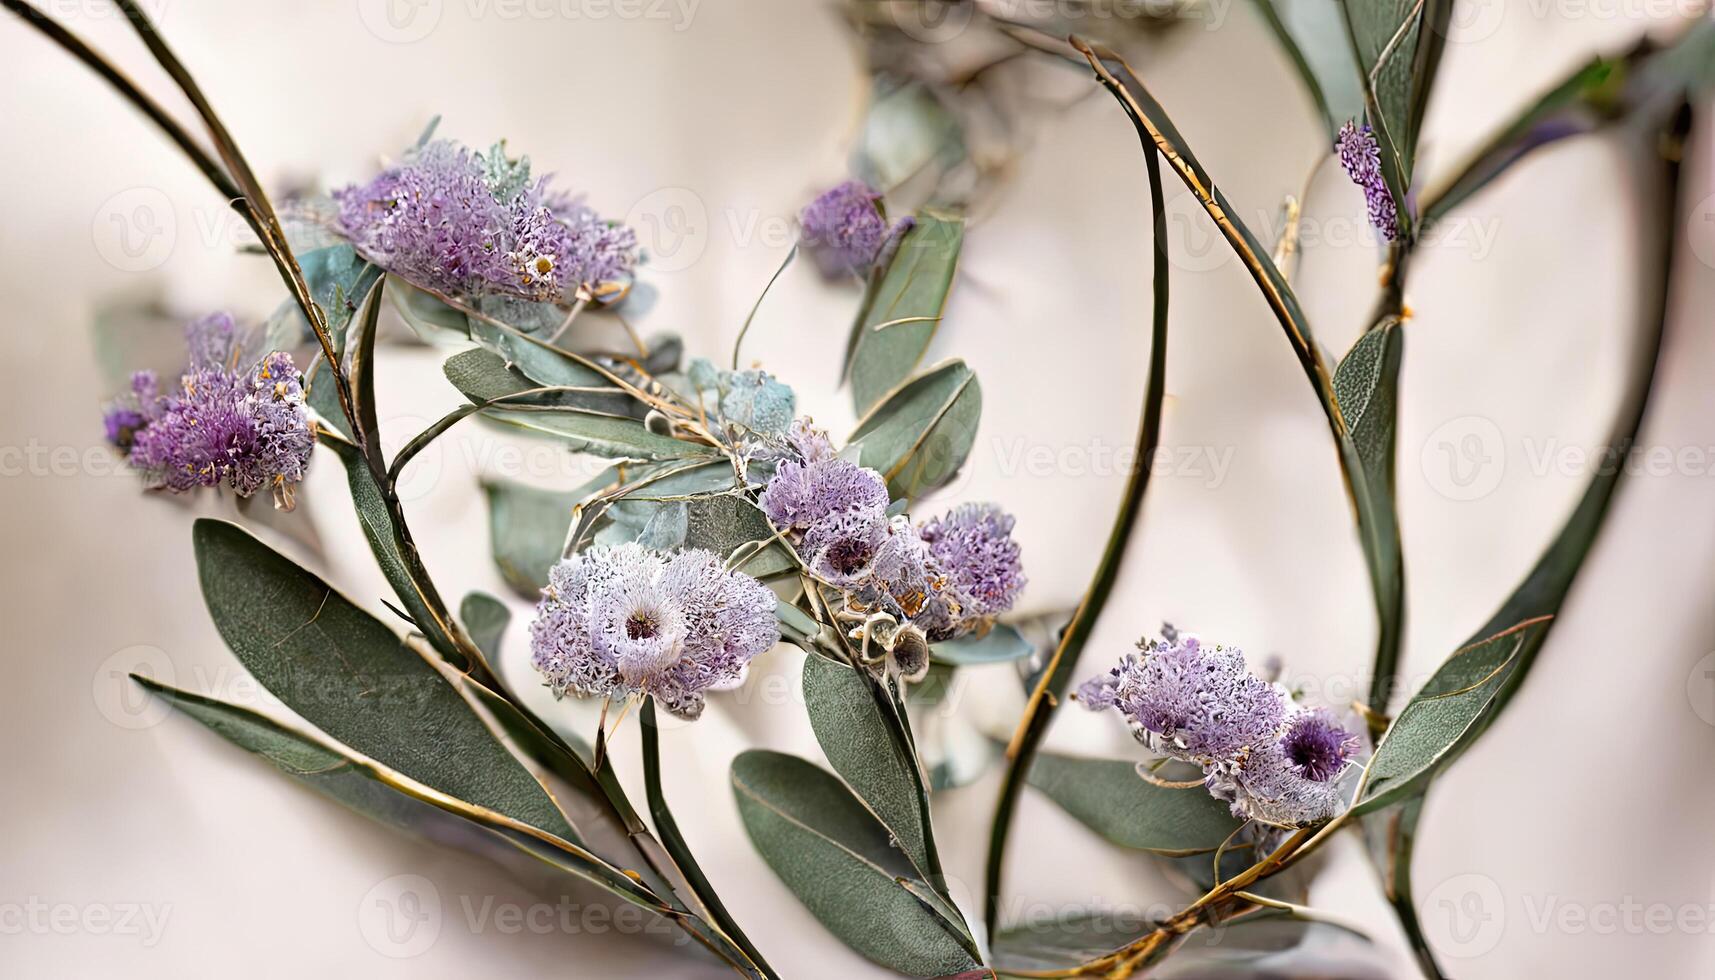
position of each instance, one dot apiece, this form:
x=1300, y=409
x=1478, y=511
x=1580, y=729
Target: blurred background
x=137, y=844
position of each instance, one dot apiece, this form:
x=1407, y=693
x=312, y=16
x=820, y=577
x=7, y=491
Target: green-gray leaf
x=899, y=320
x=377, y=525
x=433, y=321
x=835, y=856
x=1314, y=37
x=485, y=619
x=847, y=715
x=919, y=437
x=1110, y=798
x=345, y=672
x=1439, y=717
x=526, y=529
x=1002, y=644
x=1366, y=389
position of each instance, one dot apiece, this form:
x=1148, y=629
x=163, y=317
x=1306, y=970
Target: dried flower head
x=1294, y=780
x=625, y=620
x=802, y=495
x=473, y=225
x=244, y=427
x=1189, y=701
x=1360, y=155
x=844, y=229
x=973, y=545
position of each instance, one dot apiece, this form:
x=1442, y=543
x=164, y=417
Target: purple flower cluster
x=947, y=577
x=470, y=224
x=245, y=427
x=1361, y=157
x=625, y=620
x=845, y=230
x=1273, y=761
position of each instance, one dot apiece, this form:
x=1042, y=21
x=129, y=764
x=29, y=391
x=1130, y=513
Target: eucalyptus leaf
x=1068, y=940
x=433, y=321
x=1110, y=798
x=1275, y=944
x=1001, y=644
x=325, y=770
x=901, y=315
x=536, y=359
x=1366, y=388
x=850, y=719
x=1385, y=36
x=482, y=376
x=906, y=130
x=1646, y=80
x=345, y=672
x=1441, y=715
x=1314, y=38
x=527, y=528
x=485, y=619
x=920, y=435
x=377, y=524
x=584, y=431
x=840, y=862
x=363, y=786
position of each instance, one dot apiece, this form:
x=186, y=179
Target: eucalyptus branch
x=674, y=842
x=1057, y=672
x=260, y=211
x=128, y=89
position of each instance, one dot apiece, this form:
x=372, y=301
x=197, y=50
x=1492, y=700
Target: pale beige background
x=1592, y=793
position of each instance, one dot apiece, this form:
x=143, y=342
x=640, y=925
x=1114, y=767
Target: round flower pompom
x=1295, y=780
x=470, y=225
x=802, y=495
x=1361, y=158
x=625, y=620
x=973, y=545
x=1191, y=702
x=243, y=427
x=844, y=229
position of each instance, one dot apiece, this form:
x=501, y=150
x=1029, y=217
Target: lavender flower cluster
x=1276, y=762
x=1362, y=159
x=938, y=580
x=245, y=427
x=845, y=231
x=472, y=224
x=625, y=620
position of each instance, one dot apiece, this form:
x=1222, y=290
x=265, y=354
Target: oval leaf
x=899, y=321
x=920, y=435
x=345, y=672
x=858, y=740
x=1110, y=798
x=838, y=860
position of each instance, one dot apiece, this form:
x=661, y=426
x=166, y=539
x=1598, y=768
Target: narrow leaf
x=839, y=861
x=1110, y=798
